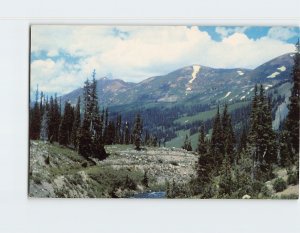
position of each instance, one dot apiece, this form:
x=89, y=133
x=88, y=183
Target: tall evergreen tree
x=110, y=133
x=217, y=146
x=90, y=138
x=65, y=128
x=44, y=123
x=127, y=133
x=242, y=143
x=226, y=184
x=137, y=132
x=187, y=144
x=262, y=146
x=35, y=121
x=54, y=119
x=202, y=145
x=105, y=125
x=76, y=124
x=118, y=134
x=228, y=135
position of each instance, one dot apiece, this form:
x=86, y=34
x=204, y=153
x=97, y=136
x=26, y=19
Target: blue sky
x=62, y=57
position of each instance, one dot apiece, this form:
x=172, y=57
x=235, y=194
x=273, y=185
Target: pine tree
x=228, y=135
x=243, y=141
x=147, y=138
x=54, y=119
x=292, y=120
x=76, y=124
x=202, y=145
x=226, y=184
x=118, y=133
x=127, y=134
x=65, y=128
x=105, y=139
x=285, y=149
x=187, y=144
x=217, y=146
x=90, y=138
x=85, y=139
x=44, y=125
x=137, y=132
x=262, y=146
x=110, y=133
x=204, y=168
x=35, y=121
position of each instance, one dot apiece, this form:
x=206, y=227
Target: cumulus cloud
x=282, y=33
x=134, y=53
x=226, y=31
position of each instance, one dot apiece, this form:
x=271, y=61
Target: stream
x=152, y=195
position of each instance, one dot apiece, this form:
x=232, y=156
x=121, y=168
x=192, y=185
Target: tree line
x=84, y=127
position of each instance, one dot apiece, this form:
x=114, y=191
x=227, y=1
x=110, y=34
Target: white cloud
x=134, y=53
x=281, y=33
x=226, y=31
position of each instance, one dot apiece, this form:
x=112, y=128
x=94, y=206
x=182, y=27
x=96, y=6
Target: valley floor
x=57, y=171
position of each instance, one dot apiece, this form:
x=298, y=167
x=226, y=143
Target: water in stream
x=152, y=195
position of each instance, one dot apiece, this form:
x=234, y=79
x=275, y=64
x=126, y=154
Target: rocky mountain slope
x=195, y=81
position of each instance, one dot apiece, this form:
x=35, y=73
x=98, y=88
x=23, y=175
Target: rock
x=246, y=197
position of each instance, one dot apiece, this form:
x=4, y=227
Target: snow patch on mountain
x=240, y=72
x=268, y=86
x=196, y=69
x=243, y=97
x=228, y=93
x=273, y=75
x=281, y=68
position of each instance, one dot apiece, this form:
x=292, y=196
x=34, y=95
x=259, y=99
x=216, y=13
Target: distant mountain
x=107, y=89
x=274, y=71
x=194, y=83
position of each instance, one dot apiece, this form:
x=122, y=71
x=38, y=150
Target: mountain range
x=196, y=82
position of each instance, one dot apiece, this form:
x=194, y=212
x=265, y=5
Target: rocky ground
x=57, y=171
x=159, y=162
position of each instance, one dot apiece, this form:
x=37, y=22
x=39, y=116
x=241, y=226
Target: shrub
x=174, y=163
x=47, y=160
x=279, y=185
x=257, y=186
x=84, y=164
x=293, y=178
x=264, y=193
x=145, y=180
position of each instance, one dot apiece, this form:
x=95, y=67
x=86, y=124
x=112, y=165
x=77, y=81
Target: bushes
x=293, y=178
x=279, y=185
x=108, y=180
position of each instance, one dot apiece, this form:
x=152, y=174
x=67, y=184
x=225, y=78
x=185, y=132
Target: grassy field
x=209, y=114
x=178, y=141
